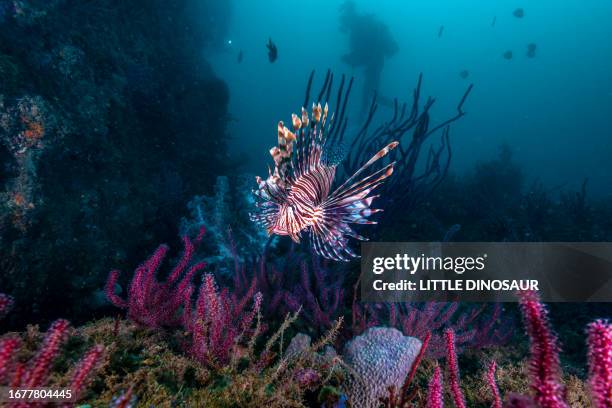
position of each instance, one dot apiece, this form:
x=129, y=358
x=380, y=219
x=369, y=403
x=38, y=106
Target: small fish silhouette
x=519, y=13
x=240, y=56
x=440, y=31
x=494, y=21
x=507, y=55
x=531, y=50
x=464, y=74
x=272, y=51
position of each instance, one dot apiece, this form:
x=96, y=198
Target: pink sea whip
x=434, y=393
x=497, y=403
x=38, y=371
x=154, y=304
x=453, y=369
x=415, y=364
x=218, y=322
x=8, y=349
x=600, y=362
x=544, y=361
x=403, y=398
x=84, y=370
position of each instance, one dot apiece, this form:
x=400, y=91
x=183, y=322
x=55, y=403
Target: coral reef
x=317, y=289
x=154, y=304
x=147, y=368
x=101, y=127
x=21, y=367
x=495, y=201
x=548, y=389
x=215, y=325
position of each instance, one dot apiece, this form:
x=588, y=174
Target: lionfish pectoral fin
x=349, y=204
x=332, y=244
x=295, y=237
x=388, y=170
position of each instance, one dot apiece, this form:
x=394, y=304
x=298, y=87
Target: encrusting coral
x=378, y=359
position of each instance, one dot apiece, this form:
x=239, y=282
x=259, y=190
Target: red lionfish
x=297, y=196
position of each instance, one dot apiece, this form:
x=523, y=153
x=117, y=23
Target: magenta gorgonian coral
x=435, y=392
x=544, y=361
x=453, y=369
x=37, y=371
x=497, y=403
x=218, y=323
x=600, y=362
x=152, y=303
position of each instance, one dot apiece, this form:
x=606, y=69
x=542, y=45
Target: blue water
x=554, y=110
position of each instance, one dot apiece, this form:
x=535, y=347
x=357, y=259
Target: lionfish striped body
x=297, y=196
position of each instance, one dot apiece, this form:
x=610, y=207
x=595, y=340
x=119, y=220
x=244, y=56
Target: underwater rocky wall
x=111, y=119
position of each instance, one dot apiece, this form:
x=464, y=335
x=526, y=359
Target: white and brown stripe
x=298, y=195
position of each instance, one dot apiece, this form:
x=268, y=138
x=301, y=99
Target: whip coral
x=453, y=369
x=85, y=368
x=544, y=361
x=39, y=368
x=435, y=397
x=154, y=304
x=600, y=362
x=8, y=348
x=493, y=385
x=320, y=300
x=403, y=398
x=409, y=124
x=37, y=371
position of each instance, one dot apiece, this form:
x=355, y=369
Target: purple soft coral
x=218, y=324
x=152, y=303
x=544, y=363
x=600, y=362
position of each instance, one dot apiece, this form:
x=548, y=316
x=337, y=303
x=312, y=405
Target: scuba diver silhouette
x=370, y=44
